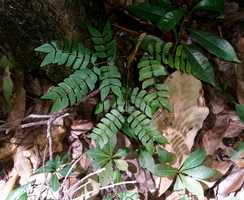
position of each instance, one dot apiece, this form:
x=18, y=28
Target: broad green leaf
x=195, y=159
x=121, y=164
x=99, y=156
x=164, y=156
x=238, y=152
x=18, y=194
x=45, y=169
x=117, y=176
x=146, y=160
x=178, y=186
x=192, y=185
x=106, y=177
x=64, y=171
x=201, y=67
x=164, y=170
x=240, y=111
x=200, y=172
x=215, y=45
x=170, y=20
x=129, y=195
x=54, y=183
x=45, y=48
x=148, y=11
x=121, y=153
x=212, y=5
x=7, y=85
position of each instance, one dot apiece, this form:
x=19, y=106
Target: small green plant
x=59, y=168
x=187, y=53
x=129, y=108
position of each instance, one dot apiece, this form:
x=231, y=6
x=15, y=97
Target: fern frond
x=140, y=100
x=72, y=55
x=142, y=128
x=159, y=98
x=72, y=89
x=110, y=81
x=109, y=125
x=149, y=70
x=178, y=61
x=104, y=43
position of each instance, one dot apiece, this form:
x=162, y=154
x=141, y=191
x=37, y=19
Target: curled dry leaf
x=231, y=183
x=189, y=112
x=227, y=124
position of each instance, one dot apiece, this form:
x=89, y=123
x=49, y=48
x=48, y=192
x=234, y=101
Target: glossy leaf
x=238, y=152
x=7, y=85
x=146, y=160
x=106, y=176
x=200, y=172
x=240, y=111
x=178, y=186
x=148, y=11
x=195, y=159
x=201, y=67
x=192, y=185
x=215, y=45
x=170, y=20
x=121, y=164
x=164, y=170
x=165, y=156
x=212, y=5
x=54, y=183
x=18, y=194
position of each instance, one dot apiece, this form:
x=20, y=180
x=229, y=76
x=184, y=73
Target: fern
x=104, y=43
x=149, y=70
x=72, y=55
x=178, y=61
x=141, y=128
x=110, y=81
x=72, y=89
x=108, y=126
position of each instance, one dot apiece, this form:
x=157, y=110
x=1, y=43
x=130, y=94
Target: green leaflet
x=237, y=152
x=212, y=5
x=170, y=20
x=110, y=81
x=107, y=127
x=240, y=111
x=149, y=70
x=7, y=85
x=149, y=12
x=164, y=170
x=146, y=161
x=72, y=55
x=215, y=45
x=142, y=128
x=200, y=65
x=72, y=89
x=165, y=156
x=192, y=185
x=195, y=159
x=54, y=183
x=200, y=172
x=104, y=44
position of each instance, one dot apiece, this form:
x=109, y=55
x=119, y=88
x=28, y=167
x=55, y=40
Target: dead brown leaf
x=231, y=183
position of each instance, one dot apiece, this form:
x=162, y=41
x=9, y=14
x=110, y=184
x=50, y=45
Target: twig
x=70, y=169
x=104, y=188
x=126, y=29
x=86, y=177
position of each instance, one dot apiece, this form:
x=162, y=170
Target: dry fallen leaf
x=231, y=183
x=181, y=126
